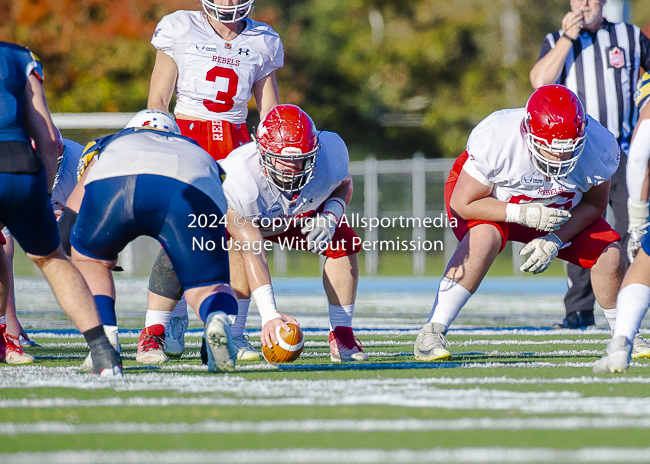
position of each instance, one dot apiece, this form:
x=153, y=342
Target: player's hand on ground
x=544, y=249
x=319, y=232
x=571, y=24
x=268, y=336
x=537, y=216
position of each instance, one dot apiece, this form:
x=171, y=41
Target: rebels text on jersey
x=499, y=158
x=251, y=195
x=216, y=76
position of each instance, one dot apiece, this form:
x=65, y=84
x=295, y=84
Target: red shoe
x=13, y=353
x=3, y=344
x=344, y=346
x=151, y=344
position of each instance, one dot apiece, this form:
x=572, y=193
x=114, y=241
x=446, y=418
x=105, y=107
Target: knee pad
x=163, y=280
x=68, y=218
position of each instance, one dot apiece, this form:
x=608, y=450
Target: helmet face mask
x=289, y=180
x=555, y=124
x=287, y=144
x=227, y=14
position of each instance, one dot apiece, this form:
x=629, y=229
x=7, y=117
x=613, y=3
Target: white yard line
x=223, y=390
x=326, y=426
x=469, y=455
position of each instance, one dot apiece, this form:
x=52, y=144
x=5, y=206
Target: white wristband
x=638, y=211
x=335, y=206
x=265, y=302
x=513, y=211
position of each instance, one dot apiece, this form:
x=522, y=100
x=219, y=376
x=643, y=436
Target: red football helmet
x=288, y=133
x=555, y=122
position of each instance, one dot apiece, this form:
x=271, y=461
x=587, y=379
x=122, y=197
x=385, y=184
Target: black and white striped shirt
x=602, y=69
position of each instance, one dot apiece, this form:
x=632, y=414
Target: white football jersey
x=251, y=195
x=66, y=177
x=149, y=151
x=216, y=76
x=499, y=158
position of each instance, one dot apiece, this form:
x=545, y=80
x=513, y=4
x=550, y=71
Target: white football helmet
x=154, y=119
x=228, y=14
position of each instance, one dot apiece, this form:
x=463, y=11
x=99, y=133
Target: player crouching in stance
x=292, y=188
x=149, y=180
x=523, y=171
x=634, y=298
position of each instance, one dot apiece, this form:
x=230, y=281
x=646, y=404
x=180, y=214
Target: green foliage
x=356, y=66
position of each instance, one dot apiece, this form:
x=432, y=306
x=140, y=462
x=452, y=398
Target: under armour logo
x=242, y=51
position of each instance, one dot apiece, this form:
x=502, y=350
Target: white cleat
x=116, y=372
x=175, y=336
x=640, y=348
x=617, y=357
x=246, y=351
x=431, y=343
x=222, y=352
x=111, y=334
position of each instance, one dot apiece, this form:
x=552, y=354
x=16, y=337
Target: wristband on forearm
x=265, y=302
x=513, y=211
x=334, y=206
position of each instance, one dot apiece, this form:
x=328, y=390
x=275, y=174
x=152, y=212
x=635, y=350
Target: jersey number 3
x=224, y=101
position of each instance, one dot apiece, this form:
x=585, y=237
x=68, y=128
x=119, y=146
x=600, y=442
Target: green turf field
x=513, y=396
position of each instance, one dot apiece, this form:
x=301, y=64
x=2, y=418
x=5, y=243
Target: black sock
x=94, y=334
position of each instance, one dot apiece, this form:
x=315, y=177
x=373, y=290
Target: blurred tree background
x=393, y=77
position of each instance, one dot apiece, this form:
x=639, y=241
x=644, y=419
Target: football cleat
x=577, y=320
x=3, y=343
x=13, y=353
x=431, y=343
x=111, y=334
x=150, y=345
x=221, y=350
x=617, y=356
x=344, y=346
x=245, y=352
x=640, y=348
x=106, y=359
x=175, y=336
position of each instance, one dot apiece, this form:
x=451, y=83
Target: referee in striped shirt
x=600, y=62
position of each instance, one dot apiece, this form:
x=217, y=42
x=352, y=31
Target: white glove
x=544, y=250
x=319, y=232
x=537, y=216
x=637, y=226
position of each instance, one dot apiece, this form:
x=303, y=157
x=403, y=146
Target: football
x=289, y=347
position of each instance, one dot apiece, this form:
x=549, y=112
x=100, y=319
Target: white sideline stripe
x=469, y=455
x=371, y=343
x=383, y=332
x=232, y=390
x=326, y=426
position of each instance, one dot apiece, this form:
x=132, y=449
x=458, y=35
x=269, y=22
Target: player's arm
x=256, y=267
x=266, y=94
x=40, y=127
x=548, y=69
x=320, y=230
x=471, y=200
x=592, y=206
x=163, y=82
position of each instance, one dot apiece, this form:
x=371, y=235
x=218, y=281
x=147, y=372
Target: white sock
x=450, y=300
x=633, y=301
x=157, y=317
x=341, y=315
x=3, y=320
x=237, y=327
x=180, y=310
x=610, y=314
